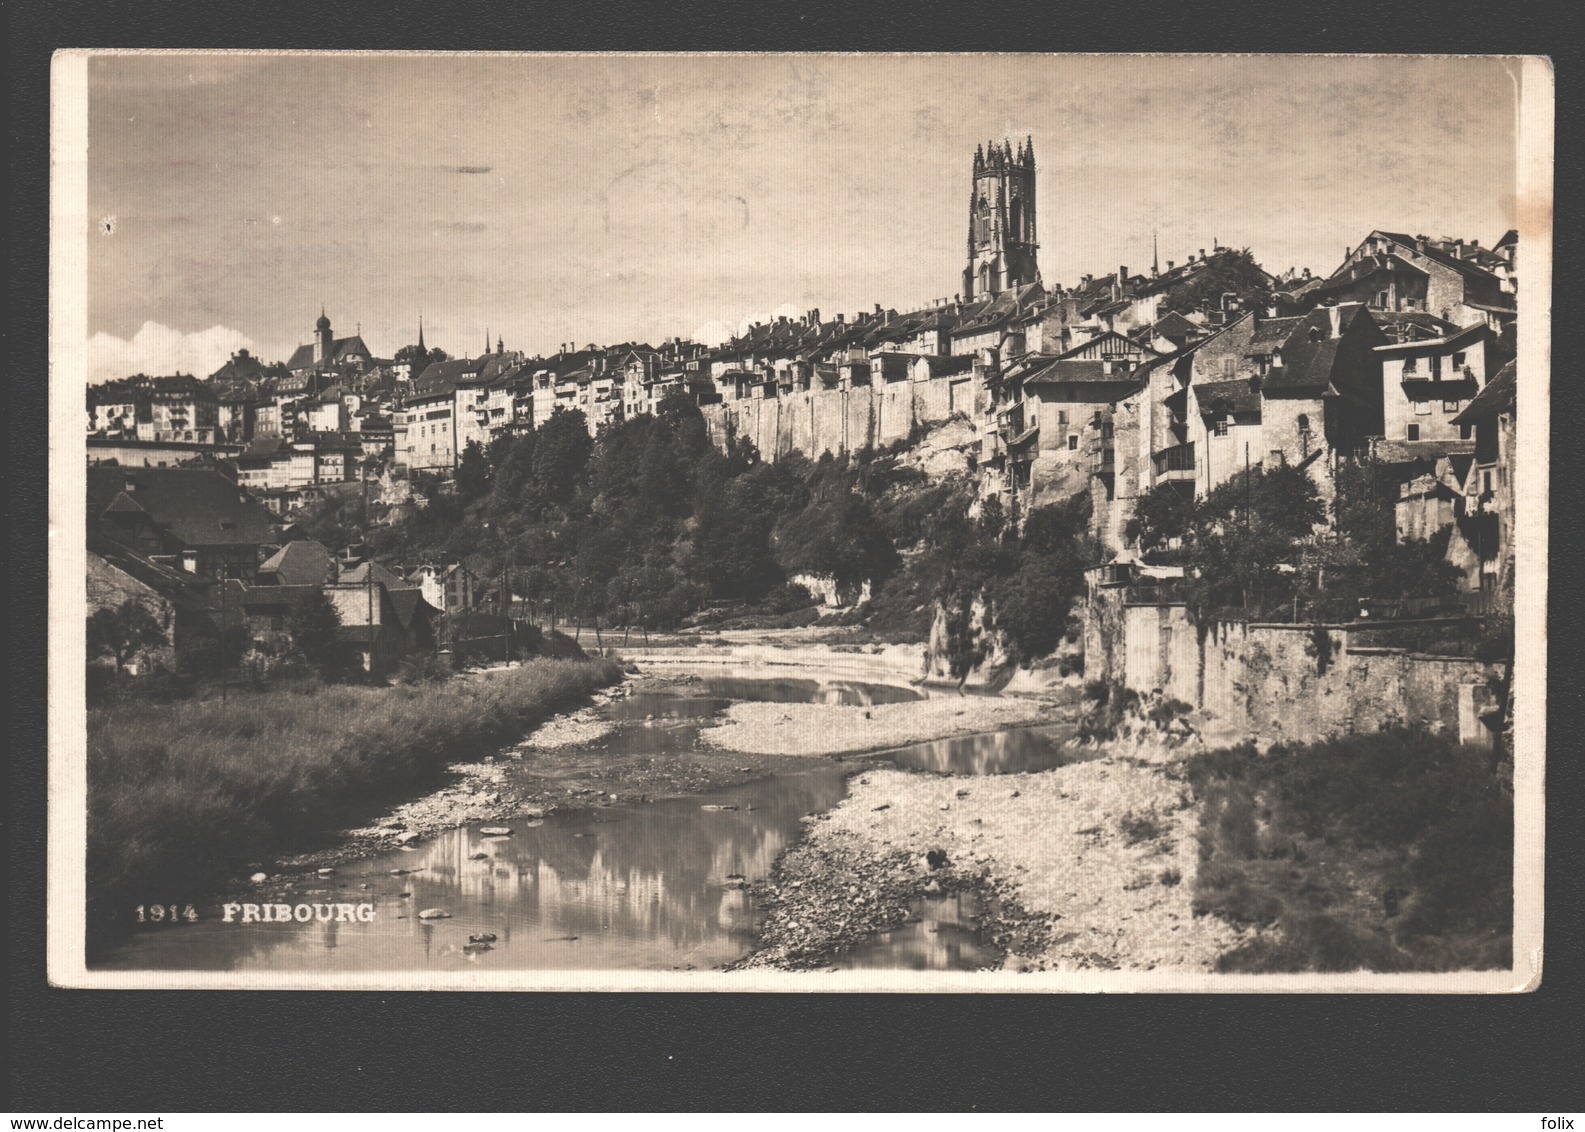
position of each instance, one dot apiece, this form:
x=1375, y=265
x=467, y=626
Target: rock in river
x=482, y=937
x=434, y=914
x=496, y=831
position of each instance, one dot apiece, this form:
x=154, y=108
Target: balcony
x=1175, y=463
x=1102, y=460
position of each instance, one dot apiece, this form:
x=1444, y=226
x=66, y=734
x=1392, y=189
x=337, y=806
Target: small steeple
x=1155, y=255
x=421, y=332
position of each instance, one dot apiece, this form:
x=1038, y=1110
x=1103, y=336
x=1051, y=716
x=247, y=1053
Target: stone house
x=194, y=519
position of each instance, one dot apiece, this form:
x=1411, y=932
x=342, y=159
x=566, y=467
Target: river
x=662, y=885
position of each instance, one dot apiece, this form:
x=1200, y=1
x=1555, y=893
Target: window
x=1229, y=366
x=1410, y=364
x=1452, y=406
x=1277, y=459
x=1458, y=360
x=1304, y=422
x=1381, y=300
x=1422, y=408
x=1412, y=432
x=1465, y=431
x=1073, y=442
x=1062, y=417
x=1220, y=427
x=1485, y=481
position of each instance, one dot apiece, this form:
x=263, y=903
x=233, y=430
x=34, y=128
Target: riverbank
x=1093, y=864
x=823, y=730
x=185, y=795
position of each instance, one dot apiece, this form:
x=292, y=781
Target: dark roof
x=340, y=349
x=189, y=591
x=275, y=597
x=1071, y=371
x=360, y=575
x=304, y=562
x=1413, y=323
x=1499, y=396
x=1174, y=325
x=451, y=371
x=1271, y=334
x=1308, y=364
x=197, y=506
x=1237, y=396
x=409, y=603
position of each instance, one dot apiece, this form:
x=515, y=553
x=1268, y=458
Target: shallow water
x=616, y=888
x=1019, y=751
x=942, y=935
x=656, y=886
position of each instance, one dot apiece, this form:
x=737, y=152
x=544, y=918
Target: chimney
x=1171, y=264
x=1202, y=253
x=1336, y=313
x=190, y=562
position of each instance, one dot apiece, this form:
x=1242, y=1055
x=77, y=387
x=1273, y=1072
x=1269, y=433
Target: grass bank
x=1383, y=852
x=182, y=796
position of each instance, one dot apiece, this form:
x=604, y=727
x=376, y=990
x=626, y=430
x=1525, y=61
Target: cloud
x=715, y=332
x=157, y=350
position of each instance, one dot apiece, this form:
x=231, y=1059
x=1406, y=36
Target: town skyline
x=197, y=252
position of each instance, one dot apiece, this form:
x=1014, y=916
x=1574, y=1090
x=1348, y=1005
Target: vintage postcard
x=798, y=522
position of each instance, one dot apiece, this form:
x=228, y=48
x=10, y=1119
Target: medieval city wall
x=840, y=421
x=1289, y=683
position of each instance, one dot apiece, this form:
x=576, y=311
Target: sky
x=548, y=199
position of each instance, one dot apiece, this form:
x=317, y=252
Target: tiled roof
x=1309, y=364
x=1216, y=397
x=190, y=591
x=301, y=563
x=1063, y=371
x=197, y=506
x=1499, y=396
x=359, y=575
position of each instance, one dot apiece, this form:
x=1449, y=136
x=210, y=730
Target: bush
x=181, y=796
x=1326, y=841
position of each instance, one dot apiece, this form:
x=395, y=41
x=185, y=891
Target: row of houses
x=198, y=551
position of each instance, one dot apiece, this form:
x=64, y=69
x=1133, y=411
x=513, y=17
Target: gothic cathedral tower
x=1001, y=221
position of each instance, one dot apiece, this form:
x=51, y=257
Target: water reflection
x=634, y=888
x=943, y=935
x=1019, y=751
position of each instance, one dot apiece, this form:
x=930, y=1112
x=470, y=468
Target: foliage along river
x=654, y=886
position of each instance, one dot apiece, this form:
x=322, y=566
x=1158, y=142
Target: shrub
x=181, y=796
x=1325, y=839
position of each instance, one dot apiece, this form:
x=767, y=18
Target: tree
x=1161, y=515
x=473, y=472
x=123, y=631
x=562, y=447
x=419, y=359
x=315, y=628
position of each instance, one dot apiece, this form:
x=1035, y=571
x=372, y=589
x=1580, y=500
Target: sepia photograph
x=798, y=522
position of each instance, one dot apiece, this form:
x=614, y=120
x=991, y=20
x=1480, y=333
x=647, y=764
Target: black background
x=77, y=1051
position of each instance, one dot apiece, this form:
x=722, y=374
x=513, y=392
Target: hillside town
x=1180, y=377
